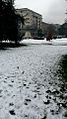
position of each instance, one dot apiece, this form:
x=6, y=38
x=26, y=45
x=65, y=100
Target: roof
x=26, y=9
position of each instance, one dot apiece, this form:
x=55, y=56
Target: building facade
x=32, y=21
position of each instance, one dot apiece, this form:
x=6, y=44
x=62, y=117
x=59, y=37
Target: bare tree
x=50, y=32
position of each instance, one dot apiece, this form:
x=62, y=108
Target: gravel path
x=30, y=87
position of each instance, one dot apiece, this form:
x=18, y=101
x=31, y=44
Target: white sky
x=52, y=11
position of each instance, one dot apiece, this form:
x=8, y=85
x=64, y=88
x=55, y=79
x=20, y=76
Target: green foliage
x=9, y=21
x=64, y=68
x=40, y=34
x=63, y=29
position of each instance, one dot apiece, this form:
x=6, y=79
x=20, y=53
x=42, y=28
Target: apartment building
x=32, y=21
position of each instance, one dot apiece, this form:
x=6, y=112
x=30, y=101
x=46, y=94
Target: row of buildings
x=33, y=26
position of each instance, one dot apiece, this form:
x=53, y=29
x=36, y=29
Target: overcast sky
x=52, y=11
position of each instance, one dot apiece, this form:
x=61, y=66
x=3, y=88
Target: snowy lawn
x=62, y=41
x=29, y=84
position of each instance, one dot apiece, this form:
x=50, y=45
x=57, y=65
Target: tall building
x=32, y=21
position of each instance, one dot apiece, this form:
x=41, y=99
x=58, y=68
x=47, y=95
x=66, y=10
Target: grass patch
x=64, y=67
x=5, y=45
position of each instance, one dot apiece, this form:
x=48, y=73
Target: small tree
x=40, y=33
x=50, y=32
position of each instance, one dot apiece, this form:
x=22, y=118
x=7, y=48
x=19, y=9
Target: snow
x=62, y=41
x=27, y=74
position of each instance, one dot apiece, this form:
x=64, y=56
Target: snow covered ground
x=62, y=41
x=29, y=84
